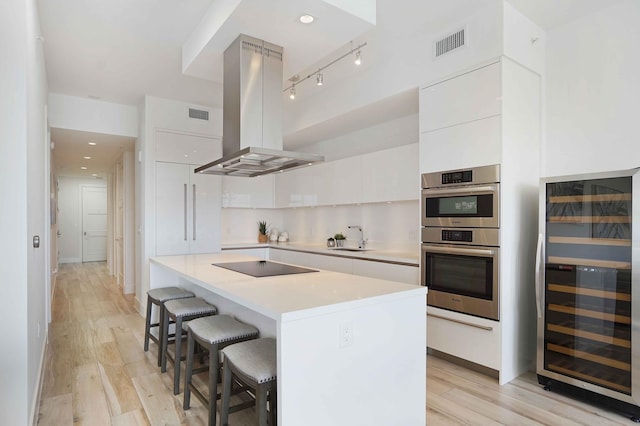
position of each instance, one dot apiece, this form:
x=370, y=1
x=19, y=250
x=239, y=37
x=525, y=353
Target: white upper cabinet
x=339, y=181
x=464, y=98
x=243, y=192
x=186, y=149
x=295, y=188
x=391, y=175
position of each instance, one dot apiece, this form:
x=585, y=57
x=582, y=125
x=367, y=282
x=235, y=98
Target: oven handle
x=483, y=327
x=538, y=273
x=459, y=250
x=462, y=190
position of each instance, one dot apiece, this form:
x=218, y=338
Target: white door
x=94, y=223
x=204, y=221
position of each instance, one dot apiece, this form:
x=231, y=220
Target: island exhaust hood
x=252, y=113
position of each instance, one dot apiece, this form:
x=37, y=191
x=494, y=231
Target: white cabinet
x=242, y=192
x=259, y=252
x=339, y=181
x=391, y=175
x=467, y=97
x=187, y=210
x=185, y=148
x=296, y=188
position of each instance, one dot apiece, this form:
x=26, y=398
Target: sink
x=349, y=249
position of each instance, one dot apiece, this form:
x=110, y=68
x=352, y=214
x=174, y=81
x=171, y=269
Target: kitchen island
x=351, y=349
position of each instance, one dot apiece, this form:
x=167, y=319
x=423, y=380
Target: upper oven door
x=465, y=206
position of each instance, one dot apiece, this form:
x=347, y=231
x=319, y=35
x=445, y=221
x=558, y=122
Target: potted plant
x=339, y=239
x=262, y=231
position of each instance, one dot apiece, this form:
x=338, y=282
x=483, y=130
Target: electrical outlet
x=345, y=334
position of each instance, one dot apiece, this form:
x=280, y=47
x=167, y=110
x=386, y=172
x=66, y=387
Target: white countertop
x=381, y=255
x=286, y=297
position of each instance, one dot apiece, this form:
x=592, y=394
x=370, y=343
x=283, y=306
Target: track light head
x=292, y=92
x=319, y=79
x=358, y=60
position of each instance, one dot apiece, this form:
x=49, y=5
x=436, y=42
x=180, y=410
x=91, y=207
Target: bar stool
x=180, y=311
x=212, y=333
x=252, y=363
x=158, y=296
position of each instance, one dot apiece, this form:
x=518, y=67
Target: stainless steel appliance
x=462, y=198
x=587, y=283
x=460, y=268
x=461, y=240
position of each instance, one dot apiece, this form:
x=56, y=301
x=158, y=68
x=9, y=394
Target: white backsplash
x=386, y=226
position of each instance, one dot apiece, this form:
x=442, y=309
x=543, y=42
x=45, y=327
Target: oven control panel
x=464, y=176
x=457, y=235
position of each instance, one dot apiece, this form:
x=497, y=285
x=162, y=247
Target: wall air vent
x=451, y=42
x=199, y=114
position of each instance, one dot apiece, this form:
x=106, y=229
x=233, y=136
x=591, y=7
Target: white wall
x=592, y=92
x=22, y=150
x=89, y=115
x=70, y=217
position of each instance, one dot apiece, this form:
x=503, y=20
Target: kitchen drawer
x=467, y=337
x=387, y=271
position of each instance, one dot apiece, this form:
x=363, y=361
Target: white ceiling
x=121, y=50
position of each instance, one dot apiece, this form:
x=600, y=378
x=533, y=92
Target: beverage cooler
x=587, y=281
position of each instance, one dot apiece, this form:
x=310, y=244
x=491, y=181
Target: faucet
x=361, y=240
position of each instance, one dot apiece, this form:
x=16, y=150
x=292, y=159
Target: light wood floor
x=96, y=373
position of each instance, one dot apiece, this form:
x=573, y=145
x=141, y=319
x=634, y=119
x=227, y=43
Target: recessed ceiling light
x=94, y=174
x=87, y=158
x=306, y=19
x=93, y=143
x=83, y=168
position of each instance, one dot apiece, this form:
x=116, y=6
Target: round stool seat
x=181, y=311
x=212, y=333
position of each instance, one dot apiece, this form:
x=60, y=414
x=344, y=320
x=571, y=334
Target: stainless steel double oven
x=461, y=240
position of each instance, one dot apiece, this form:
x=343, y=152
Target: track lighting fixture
x=295, y=80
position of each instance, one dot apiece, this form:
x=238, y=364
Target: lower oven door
x=462, y=278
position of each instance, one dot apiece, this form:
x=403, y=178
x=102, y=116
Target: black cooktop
x=263, y=268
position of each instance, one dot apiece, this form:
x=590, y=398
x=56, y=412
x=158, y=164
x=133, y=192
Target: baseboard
x=465, y=363
x=35, y=408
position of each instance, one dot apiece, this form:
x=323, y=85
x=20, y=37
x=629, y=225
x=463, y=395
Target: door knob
x=36, y=241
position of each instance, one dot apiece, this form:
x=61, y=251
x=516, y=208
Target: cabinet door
x=186, y=149
x=242, y=192
x=204, y=212
x=461, y=99
x=172, y=209
x=296, y=188
x=339, y=181
x=391, y=175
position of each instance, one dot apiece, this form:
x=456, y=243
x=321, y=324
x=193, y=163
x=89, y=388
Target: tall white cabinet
x=187, y=204
x=491, y=115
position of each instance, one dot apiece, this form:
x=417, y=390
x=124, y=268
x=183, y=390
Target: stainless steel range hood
x=252, y=113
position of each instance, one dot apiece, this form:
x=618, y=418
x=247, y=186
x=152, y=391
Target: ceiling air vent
x=199, y=114
x=449, y=43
